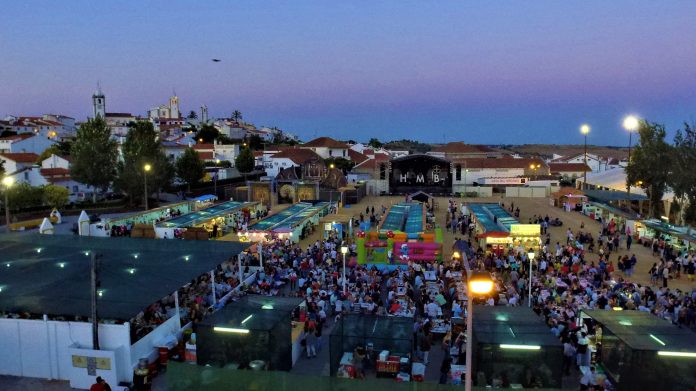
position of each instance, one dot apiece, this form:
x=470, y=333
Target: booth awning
x=613, y=195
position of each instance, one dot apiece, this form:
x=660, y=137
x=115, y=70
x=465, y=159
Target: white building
x=170, y=110
x=13, y=162
x=25, y=143
x=288, y=157
x=326, y=148
x=484, y=170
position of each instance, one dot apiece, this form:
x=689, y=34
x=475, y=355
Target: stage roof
x=511, y=325
x=50, y=274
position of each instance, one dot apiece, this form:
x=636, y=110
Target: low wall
x=38, y=348
x=526, y=192
x=479, y=191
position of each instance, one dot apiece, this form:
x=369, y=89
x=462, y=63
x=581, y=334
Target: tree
x=64, y=148
x=255, y=142
x=94, y=155
x=23, y=196
x=192, y=114
x=245, y=160
x=650, y=163
x=140, y=148
x=375, y=143
x=236, y=115
x=52, y=150
x=55, y=196
x=207, y=133
x=190, y=167
x=683, y=177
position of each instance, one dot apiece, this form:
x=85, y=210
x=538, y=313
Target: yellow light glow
x=332, y=165
x=617, y=308
x=480, y=287
x=8, y=181
x=456, y=255
x=231, y=330
x=585, y=129
x=630, y=123
x=147, y=167
x=344, y=250
x=520, y=347
x=676, y=354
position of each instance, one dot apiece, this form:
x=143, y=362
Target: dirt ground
x=528, y=208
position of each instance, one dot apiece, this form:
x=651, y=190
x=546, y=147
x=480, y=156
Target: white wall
x=147, y=346
x=526, y=192
x=37, y=348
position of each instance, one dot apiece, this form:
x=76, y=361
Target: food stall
x=680, y=238
x=606, y=213
x=294, y=222
x=257, y=328
x=515, y=343
x=637, y=350
x=224, y=216
x=498, y=231
x=387, y=343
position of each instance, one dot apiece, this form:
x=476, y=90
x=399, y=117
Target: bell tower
x=99, y=103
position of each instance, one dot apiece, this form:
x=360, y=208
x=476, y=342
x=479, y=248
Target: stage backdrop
x=411, y=173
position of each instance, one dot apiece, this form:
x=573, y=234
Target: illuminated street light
x=7, y=181
x=585, y=130
x=480, y=283
x=147, y=167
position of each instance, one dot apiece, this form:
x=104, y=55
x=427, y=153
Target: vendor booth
x=214, y=220
x=498, y=231
x=387, y=342
x=568, y=198
x=680, y=238
x=258, y=331
x=623, y=219
x=638, y=351
x=120, y=226
x=514, y=344
x=294, y=222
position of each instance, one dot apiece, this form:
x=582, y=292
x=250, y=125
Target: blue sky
x=480, y=72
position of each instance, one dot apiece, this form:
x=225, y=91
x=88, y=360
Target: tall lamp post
x=344, y=251
x=480, y=283
x=630, y=123
x=147, y=167
x=530, y=255
x=585, y=130
x=7, y=181
x=217, y=165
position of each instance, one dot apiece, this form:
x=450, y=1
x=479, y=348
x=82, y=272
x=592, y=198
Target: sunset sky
x=481, y=72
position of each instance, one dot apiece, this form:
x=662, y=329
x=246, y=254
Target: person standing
x=588, y=380
x=425, y=346
x=445, y=369
x=311, y=341
x=568, y=354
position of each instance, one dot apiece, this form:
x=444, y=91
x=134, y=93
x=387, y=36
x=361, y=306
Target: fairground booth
x=514, y=344
x=211, y=222
x=257, y=331
x=294, y=222
x=680, y=238
x=403, y=235
x=639, y=351
x=45, y=295
x=498, y=231
x=145, y=219
x=568, y=198
x=388, y=340
x=614, y=217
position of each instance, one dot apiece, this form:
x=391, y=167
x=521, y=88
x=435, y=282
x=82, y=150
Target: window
x=330, y=152
x=344, y=153
x=458, y=172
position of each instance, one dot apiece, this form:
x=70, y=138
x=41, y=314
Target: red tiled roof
x=356, y=157
x=372, y=164
x=258, y=153
x=206, y=155
x=568, y=167
x=22, y=157
x=326, y=142
x=498, y=163
x=18, y=137
x=204, y=147
x=460, y=147
x=54, y=171
x=297, y=155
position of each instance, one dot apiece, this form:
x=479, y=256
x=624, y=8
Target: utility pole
x=93, y=294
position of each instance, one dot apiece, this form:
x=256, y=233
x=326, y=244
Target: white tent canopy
x=615, y=179
x=83, y=224
x=46, y=227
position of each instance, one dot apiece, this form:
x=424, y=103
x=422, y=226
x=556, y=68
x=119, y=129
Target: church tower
x=174, y=107
x=99, y=103
x=204, y=114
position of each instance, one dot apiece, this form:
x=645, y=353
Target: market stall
x=385, y=343
x=498, y=231
x=639, y=351
x=624, y=220
x=680, y=238
x=568, y=198
x=294, y=222
x=514, y=343
x=215, y=219
x=264, y=330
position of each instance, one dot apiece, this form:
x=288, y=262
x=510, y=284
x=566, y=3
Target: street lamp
x=630, y=123
x=147, y=167
x=344, y=251
x=215, y=175
x=585, y=130
x=480, y=283
x=535, y=167
x=7, y=181
x=531, y=256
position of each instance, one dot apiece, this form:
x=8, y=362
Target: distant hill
x=547, y=150
x=410, y=145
